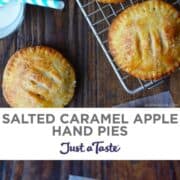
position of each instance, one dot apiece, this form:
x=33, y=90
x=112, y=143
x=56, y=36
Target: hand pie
x=110, y=1
x=145, y=40
x=38, y=77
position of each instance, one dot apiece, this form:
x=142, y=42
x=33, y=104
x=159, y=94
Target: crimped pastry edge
x=120, y=66
x=22, y=51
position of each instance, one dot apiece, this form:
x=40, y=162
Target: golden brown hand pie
x=110, y=1
x=145, y=40
x=38, y=77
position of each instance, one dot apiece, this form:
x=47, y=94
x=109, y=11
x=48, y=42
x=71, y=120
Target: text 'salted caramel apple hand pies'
x=38, y=77
x=110, y=1
x=145, y=40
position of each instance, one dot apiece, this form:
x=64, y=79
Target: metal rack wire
x=99, y=17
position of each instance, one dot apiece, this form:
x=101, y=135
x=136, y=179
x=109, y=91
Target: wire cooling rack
x=99, y=17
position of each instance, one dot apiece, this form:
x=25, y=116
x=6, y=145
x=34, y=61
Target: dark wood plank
x=175, y=87
x=102, y=170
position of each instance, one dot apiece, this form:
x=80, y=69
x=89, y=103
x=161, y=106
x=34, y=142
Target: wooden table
x=101, y=170
x=69, y=33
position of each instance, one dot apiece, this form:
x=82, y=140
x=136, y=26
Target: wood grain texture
x=101, y=170
x=68, y=32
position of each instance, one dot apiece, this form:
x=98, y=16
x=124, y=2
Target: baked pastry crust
x=38, y=77
x=111, y=1
x=145, y=40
